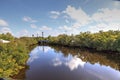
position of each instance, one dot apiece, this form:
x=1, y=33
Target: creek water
x=60, y=63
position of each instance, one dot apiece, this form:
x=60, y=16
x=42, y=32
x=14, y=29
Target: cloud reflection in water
x=72, y=63
x=45, y=60
x=35, y=53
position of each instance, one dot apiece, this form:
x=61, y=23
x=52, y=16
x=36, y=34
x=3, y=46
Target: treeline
x=100, y=41
x=13, y=55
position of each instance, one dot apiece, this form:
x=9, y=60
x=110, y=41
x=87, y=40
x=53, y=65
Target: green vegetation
x=13, y=55
x=101, y=41
x=6, y=36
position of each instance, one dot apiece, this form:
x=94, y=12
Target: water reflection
x=112, y=60
x=60, y=63
x=34, y=53
x=74, y=63
x=71, y=62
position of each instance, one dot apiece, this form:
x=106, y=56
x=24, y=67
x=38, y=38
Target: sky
x=54, y=17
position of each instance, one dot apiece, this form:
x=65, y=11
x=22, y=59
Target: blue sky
x=54, y=17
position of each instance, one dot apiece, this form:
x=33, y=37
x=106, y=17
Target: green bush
x=13, y=55
x=109, y=40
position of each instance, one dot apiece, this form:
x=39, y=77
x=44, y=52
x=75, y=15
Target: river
x=60, y=63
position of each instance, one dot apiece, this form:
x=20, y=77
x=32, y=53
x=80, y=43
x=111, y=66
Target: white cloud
x=54, y=32
x=104, y=27
x=104, y=19
x=65, y=16
x=78, y=15
x=47, y=31
x=45, y=28
x=5, y=30
x=33, y=55
x=28, y=19
x=23, y=33
x=57, y=62
x=107, y=15
x=65, y=28
x=51, y=31
x=3, y=23
x=116, y=3
x=74, y=63
x=74, y=29
x=67, y=21
x=4, y=27
x=76, y=25
x=54, y=14
x=33, y=26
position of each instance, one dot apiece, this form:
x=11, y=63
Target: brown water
x=60, y=63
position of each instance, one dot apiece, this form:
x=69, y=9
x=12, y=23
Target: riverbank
x=13, y=55
x=84, y=48
x=102, y=41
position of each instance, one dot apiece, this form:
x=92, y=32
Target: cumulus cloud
x=5, y=30
x=78, y=15
x=45, y=28
x=33, y=55
x=4, y=27
x=3, y=23
x=54, y=14
x=104, y=27
x=55, y=32
x=29, y=19
x=107, y=15
x=106, y=19
x=47, y=32
x=67, y=21
x=72, y=63
x=116, y=3
x=74, y=29
x=33, y=26
x=22, y=33
x=65, y=27
x=57, y=62
x=103, y=19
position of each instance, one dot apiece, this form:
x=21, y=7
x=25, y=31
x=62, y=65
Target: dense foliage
x=6, y=36
x=13, y=55
x=100, y=41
